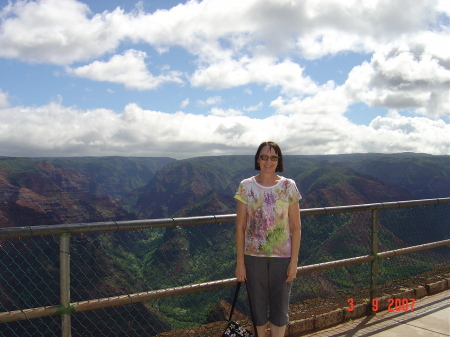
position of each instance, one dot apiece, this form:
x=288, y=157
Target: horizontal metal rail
x=17, y=315
x=13, y=232
x=368, y=258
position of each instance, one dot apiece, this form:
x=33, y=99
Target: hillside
x=422, y=175
x=70, y=190
x=114, y=176
x=322, y=180
x=185, y=183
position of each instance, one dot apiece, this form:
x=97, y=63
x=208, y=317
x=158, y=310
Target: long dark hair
x=277, y=149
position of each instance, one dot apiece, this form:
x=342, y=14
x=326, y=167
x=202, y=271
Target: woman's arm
x=241, y=225
x=295, y=227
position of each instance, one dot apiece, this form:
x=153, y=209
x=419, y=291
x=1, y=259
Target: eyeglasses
x=266, y=157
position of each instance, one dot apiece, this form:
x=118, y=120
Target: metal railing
x=66, y=309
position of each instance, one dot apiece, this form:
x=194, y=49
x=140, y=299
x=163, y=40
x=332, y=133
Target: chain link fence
x=113, y=263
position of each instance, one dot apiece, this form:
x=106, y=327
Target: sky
x=184, y=79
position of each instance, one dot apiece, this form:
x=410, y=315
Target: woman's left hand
x=291, y=271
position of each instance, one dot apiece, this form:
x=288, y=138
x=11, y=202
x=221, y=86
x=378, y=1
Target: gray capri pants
x=268, y=290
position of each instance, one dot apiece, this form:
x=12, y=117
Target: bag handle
x=236, y=295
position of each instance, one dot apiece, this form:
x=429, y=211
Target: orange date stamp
x=397, y=304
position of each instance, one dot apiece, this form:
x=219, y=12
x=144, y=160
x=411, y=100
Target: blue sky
x=217, y=77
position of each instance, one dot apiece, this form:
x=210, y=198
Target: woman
x=268, y=233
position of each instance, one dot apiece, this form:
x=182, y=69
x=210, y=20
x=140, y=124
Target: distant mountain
x=69, y=190
x=322, y=180
x=422, y=175
x=185, y=183
x=114, y=176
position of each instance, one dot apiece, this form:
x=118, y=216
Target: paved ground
x=430, y=318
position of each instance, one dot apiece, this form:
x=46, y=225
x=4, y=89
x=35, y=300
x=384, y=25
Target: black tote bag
x=234, y=328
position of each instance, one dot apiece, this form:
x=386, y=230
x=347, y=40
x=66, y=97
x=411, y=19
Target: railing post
x=64, y=255
x=374, y=262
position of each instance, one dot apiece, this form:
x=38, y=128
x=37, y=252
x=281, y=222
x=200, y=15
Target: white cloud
x=128, y=69
x=329, y=101
x=361, y=26
x=210, y=101
x=253, y=107
x=236, y=42
x=185, y=103
x=3, y=100
x=409, y=134
x=215, y=111
x=57, y=31
x=55, y=130
x=64, y=31
x=225, y=113
x=403, y=77
x=261, y=70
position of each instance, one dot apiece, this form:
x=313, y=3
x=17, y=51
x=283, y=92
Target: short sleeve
x=294, y=194
x=241, y=194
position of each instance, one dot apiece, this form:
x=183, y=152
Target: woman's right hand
x=241, y=272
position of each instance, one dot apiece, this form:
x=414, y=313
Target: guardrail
x=66, y=308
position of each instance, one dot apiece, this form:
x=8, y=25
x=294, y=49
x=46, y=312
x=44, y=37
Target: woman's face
x=267, y=166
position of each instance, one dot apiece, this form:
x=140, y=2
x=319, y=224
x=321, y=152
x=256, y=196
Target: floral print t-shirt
x=268, y=233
